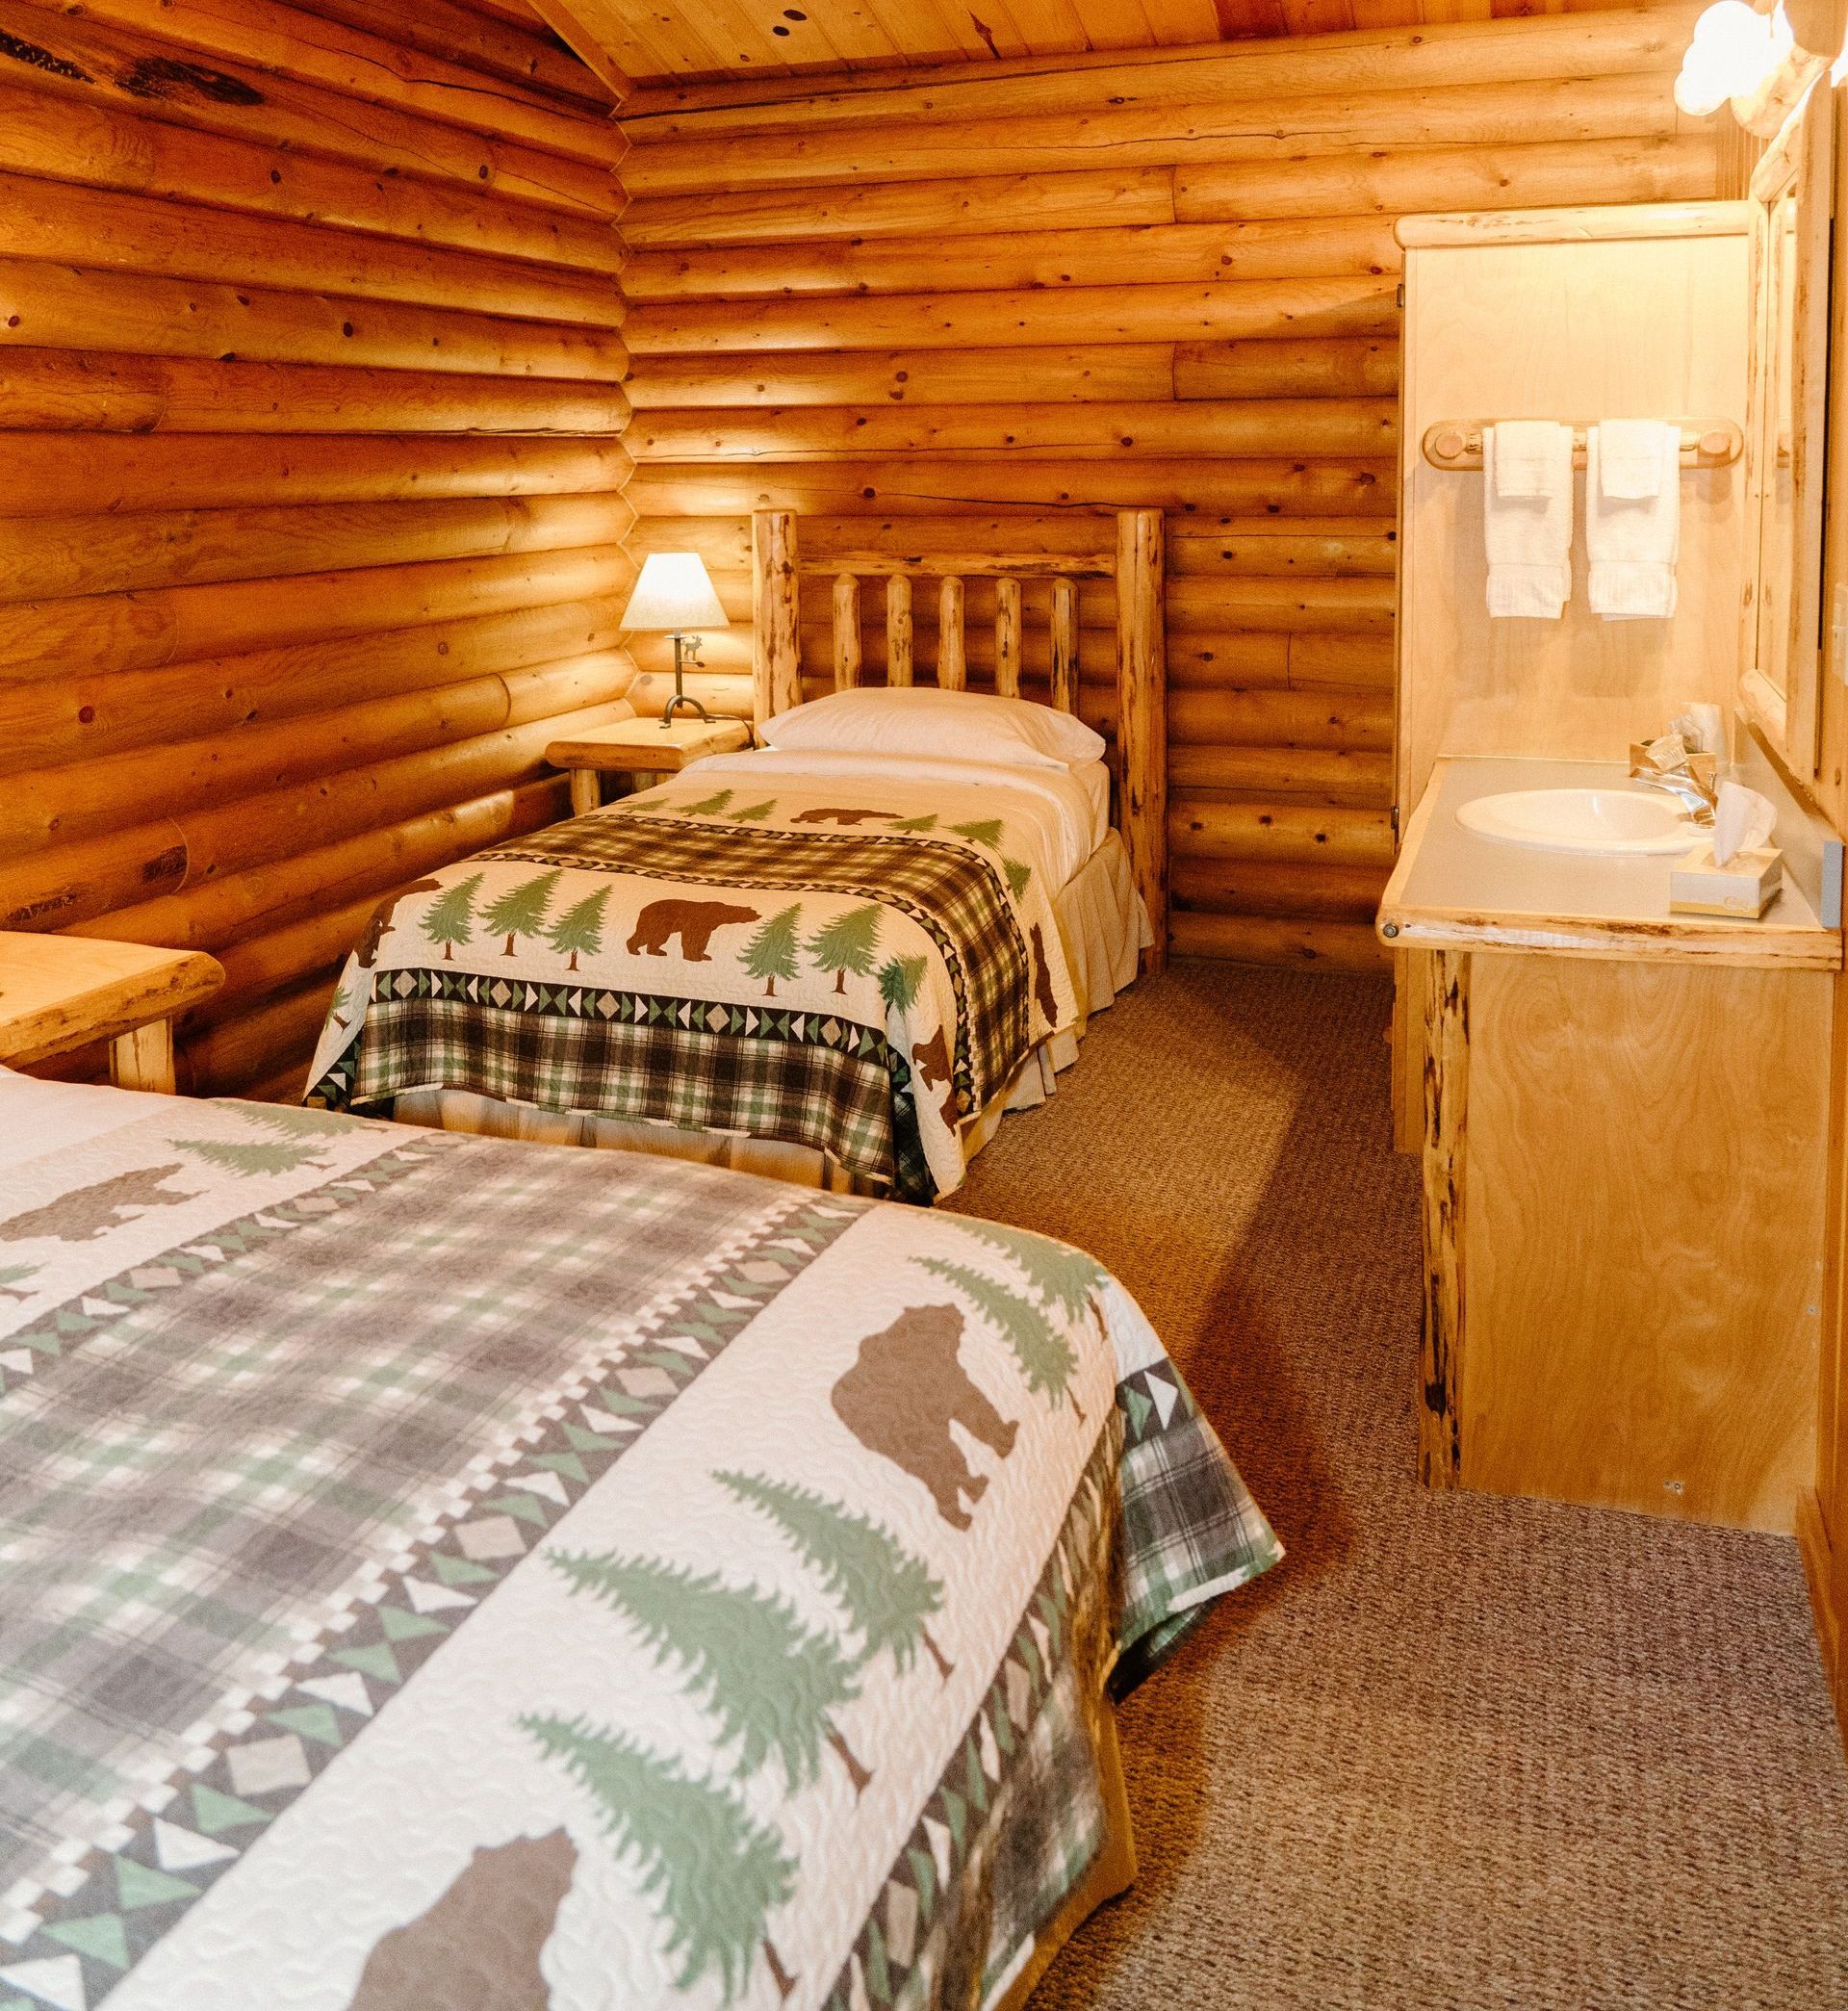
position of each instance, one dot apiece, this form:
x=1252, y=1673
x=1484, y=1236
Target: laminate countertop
x=1453, y=889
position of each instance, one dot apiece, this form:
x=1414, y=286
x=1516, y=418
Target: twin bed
x=438, y=1572
x=837, y=958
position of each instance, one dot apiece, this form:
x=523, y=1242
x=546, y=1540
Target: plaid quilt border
x=1190, y=1531
x=807, y=1079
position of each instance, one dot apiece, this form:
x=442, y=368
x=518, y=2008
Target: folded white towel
x=1526, y=453
x=1526, y=517
x=1629, y=458
x=1633, y=541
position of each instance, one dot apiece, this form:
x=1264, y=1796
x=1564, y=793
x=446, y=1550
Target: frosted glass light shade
x=1735, y=49
x=674, y=596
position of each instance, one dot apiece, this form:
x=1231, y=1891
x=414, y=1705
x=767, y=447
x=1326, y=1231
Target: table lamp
x=675, y=596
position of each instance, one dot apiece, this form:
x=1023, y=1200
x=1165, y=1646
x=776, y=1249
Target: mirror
x=1791, y=194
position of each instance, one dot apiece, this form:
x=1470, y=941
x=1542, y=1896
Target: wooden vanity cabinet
x=1623, y=1191
x=1623, y=1118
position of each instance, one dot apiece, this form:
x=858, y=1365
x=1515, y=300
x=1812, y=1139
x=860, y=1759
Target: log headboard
x=1134, y=562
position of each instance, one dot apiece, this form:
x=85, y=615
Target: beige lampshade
x=674, y=596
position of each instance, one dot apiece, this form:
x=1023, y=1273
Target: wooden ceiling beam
x=1593, y=43
x=1043, y=38
x=571, y=21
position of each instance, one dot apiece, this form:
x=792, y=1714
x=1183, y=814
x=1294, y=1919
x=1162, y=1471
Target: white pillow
x=961, y=725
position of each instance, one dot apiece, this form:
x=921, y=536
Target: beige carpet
x=1454, y=1751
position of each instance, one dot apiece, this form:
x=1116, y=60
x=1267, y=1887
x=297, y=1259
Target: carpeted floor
x=1455, y=1751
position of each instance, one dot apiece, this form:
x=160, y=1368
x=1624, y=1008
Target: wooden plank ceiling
x=653, y=41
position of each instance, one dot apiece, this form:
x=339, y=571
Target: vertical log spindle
x=1007, y=638
x=1064, y=645
x=846, y=632
x=898, y=630
x=952, y=661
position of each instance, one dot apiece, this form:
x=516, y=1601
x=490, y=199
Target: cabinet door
x=1642, y=1235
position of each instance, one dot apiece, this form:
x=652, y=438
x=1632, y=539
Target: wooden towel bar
x=1705, y=443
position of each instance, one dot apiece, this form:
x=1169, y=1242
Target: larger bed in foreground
x=440, y=1573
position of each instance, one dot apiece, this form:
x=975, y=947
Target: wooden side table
x=640, y=747
x=62, y=991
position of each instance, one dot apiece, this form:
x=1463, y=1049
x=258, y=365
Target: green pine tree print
x=450, y=918
x=915, y=823
x=1019, y=876
x=291, y=1121
x=522, y=910
x=900, y=979
x=339, y=1005
x=1047, y=1359
x=299, y=1135
x=580, y=927
x=847, y=943
x=12, y=1275
x=1064, y=1277
x=771, y=952
x=717, y=1873
x=771, y=1682
x=753, y=814
x=712, y=807
x=888, y=1594
x=987, y=832
x=251, y=1158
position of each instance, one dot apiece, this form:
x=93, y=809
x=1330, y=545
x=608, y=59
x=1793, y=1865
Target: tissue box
x=1743, y=887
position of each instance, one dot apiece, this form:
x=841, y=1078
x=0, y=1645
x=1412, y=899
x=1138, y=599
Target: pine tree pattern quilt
x=438, y=1573
x=809, y=961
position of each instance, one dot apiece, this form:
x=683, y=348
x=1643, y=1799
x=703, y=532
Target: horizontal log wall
x=311, y=405
x=968, y=310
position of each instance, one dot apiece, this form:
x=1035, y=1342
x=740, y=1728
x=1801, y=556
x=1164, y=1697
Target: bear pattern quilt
x=822, y=962
x=437, y=1573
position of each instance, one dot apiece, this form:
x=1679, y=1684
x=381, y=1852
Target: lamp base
x=684, y=647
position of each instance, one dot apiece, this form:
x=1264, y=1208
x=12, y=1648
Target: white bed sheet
x=1068, y=809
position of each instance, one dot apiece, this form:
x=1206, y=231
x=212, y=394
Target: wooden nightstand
x=62, y=991
x=642, y=747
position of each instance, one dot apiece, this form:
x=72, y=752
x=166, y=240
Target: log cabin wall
x=965, y=306
x=310, y=408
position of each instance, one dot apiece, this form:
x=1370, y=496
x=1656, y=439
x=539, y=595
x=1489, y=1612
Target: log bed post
x=1141, y=722
x=775, y=654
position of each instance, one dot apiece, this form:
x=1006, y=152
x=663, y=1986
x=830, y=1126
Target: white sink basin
x=1615, y=820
